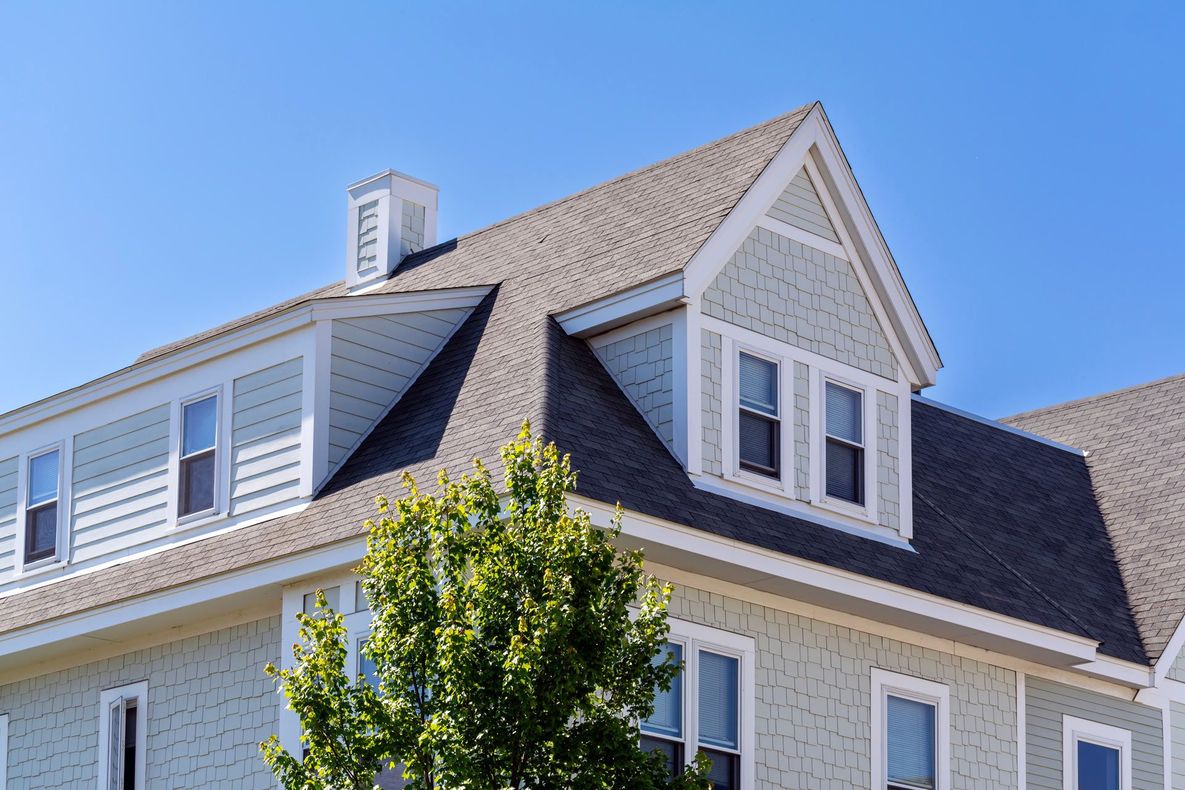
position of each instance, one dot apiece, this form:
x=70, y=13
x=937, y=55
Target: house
x=873, y=589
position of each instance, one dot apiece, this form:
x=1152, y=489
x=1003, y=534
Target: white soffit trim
x=673, y=544
x=814, y=142
x=621, y=308
x=294, y=317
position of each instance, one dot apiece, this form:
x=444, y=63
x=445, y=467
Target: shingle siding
x=888, y=455
x=412, y=228
x=814, y=691
x=800, y=206
x=265, y=452
x=8, y=470
x=799, y=295
x=1177, y=670
x=643, y=366
x=120, y=485
x=802, y=432
x=209, y=706
x=1046, y=702
x=711, y=375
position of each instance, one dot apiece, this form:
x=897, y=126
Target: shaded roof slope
x=1135, y=443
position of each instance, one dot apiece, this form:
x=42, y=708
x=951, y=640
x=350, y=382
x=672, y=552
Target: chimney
x=390, y=216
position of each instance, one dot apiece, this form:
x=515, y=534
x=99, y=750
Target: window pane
x=911, y=739
x=197, y=483
x=671, y=751
x=1098, y=767
x=718, y=697
x=759, y=384
x=844, y=414
x=199, y=423
x=725, y=772
x=845, y=472
x=366, y=666
x=43, y=478
x=41, y=533
x=758, y=441
x=333, y=596
x=667, y=718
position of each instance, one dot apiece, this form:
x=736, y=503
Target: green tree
x=504, y=644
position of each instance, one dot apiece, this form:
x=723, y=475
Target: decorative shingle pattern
x=710, y=376
x=412, y=230
x=1135, y=440
x=888, y=454
x=802, y=432
x=643, y=364
x=802, y=296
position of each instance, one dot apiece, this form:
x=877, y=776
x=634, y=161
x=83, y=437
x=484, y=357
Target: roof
x=983, y=496
x=1135, y=442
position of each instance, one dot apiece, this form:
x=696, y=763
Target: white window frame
x=138, y=692
x=61, y=533
x=3, y=751
x=176, y=439
x=693, y=638
x=1075, y=729
x=885, y=683
x=780, y=364
x=868, y=509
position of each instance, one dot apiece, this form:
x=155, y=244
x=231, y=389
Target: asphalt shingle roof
x=998, y=517
x=1135, y=440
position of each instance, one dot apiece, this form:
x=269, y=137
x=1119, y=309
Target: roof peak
x=1076, y=402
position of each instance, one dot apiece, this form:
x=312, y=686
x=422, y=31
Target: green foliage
x=503, y=641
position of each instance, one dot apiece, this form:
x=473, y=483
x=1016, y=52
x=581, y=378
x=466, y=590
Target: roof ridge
x=805, y=108
x=1076, y=402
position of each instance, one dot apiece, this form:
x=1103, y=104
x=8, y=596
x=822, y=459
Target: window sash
x=852, y=434
x=912, y=754
x=750, y=370
x=185, y=425
x=1092, y=778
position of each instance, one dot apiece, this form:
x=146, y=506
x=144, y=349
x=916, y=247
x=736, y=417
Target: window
x=199, y=440
x=845, y=443
x=333, y=597
x=1095, y=756
x=123, y=737
x=910, y=732
x=758, y=426
x=41, y=506
x=705, y=709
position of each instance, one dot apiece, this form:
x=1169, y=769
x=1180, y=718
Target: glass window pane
x=199, y=424
x=844, y=414
x=725, y=772
x=43, y=478
x=366, y=666
x=1098, y=767
x=667, y=718
x=671, y=751
x=42, y=532
x=333, y=596
x=845, y=472
x=759, y=384
x=758, y=441
x=197, y=484
x=911, y=742
x=719, y=677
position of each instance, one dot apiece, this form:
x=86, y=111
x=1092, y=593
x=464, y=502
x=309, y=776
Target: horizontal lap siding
x=373, y=360
x=1178, y=751
x=265, y=437
x=120, y=482
x=800, y=206
x=1047, y=702
x=8, y=468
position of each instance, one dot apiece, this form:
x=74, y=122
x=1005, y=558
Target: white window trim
x=3, y=751
x=138, y=691
x=1075, y=729
x=695, y=637
x=221, y=454
x=64, y=499
x=870, y=509
x=885, y=683
x=778, y=483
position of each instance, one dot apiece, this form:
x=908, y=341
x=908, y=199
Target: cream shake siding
x=800, y=206
x=1046, y=702
x=8, y=470
x=813, y=698
x=209, y=706
x=265, y=437
x=373, y=360
x=120, y=483
x=643, y=366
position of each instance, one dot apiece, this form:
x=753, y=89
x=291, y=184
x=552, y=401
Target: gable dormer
x=793, y=349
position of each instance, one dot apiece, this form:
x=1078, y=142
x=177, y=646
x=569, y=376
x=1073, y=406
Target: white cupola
x=390, y=215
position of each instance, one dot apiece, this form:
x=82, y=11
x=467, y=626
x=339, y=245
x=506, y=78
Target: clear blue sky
x=165, y=167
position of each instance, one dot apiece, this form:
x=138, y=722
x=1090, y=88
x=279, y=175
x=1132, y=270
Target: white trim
x=1170, y=654
x=629, y=330
x=1075, y=729
x=1000, y=426
x=138, y=692
x=222, y=421
x=803, y=237
x=62, y=503
x=3, y=751
x=1166, y=729
x=1022, y=736
x=682, y=404
x=623, y=307
x=869, y=509
x=884, y=684
x=693, y=386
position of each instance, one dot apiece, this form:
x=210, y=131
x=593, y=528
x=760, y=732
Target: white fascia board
x=1171, y=651
x=1126, y=672
x=229, y=342
x=621, y=308
x=680, y=546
